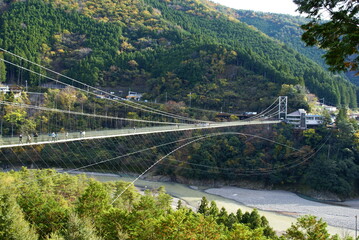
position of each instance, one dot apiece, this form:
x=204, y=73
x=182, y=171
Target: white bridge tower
x=283, y=106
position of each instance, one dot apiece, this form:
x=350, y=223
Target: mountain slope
x=287, y=29
x=185, y=49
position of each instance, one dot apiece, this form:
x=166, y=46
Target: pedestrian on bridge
x=53, y=136
x=20, y=138
x=28, y=138
x=66, y=135
x=35, y=137
x=82, y=134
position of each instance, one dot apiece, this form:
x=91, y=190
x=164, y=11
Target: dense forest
x=192, y=53
x=188, y=51
x=278, y=156
x=44, y=204
x=287, y=29
x=184, y=49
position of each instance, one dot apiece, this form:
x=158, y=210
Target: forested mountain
x=190, y=51
x=186, y=49
x=286, y=29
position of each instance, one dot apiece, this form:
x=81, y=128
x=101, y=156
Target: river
x=279, y=219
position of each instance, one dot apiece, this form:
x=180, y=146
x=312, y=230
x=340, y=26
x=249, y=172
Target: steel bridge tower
x=283, y=106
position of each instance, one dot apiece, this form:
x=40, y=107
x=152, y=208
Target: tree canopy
x=45, y=204
x=339, y=35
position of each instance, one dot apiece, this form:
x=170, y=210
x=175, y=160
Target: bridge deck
x=8, y=142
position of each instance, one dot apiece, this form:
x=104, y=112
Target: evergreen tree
x=222, y=216
x=80, y=229
x=239, y=215
x=2, y=69
x=94, y=201
x=213, y=209
x=13, y=225
x=203, y=207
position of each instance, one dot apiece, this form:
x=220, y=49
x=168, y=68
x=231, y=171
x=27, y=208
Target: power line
x=88, y=87
x=80, y=113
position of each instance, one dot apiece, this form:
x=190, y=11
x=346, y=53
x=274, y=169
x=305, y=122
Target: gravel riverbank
x=288, y=203
x=280, y=218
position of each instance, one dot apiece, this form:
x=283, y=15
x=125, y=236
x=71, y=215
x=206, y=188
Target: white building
x=134, y=95
x=329, y=108
x=300, y=119
x=313, y=120
x=297, y=119
x=4, y=89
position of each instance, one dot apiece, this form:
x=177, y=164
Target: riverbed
x=279, y=207
x=290, y=204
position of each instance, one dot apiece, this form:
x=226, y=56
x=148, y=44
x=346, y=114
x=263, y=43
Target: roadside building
x=301, y=120
x=313, y=120
x=4, y=89
x=297, y=119
x=134, y=96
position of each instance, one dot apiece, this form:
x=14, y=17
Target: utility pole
x=26, y=85
x=190, y=99
x=322, y=100
x=356, y=227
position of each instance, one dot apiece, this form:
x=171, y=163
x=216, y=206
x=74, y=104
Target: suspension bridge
x=81, y=136
x=82, y=128
x=75, y=138
x=156, y=120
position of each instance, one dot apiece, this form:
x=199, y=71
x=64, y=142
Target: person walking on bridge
x=82, y=134
x=28, y=138
x=20, y=138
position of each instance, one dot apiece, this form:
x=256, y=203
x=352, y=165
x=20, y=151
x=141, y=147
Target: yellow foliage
x=356, y=139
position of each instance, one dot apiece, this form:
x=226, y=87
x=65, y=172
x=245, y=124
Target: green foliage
x=309, y=228
x=339, y=35
x=203, y=207
x=13, y=225
x=169, y=49
x=243, y=232
x=148, y=216
x=2, y=69
x=93, y=201
x=80, y=229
